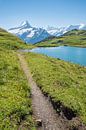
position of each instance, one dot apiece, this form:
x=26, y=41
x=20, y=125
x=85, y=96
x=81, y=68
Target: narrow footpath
x=42, y=107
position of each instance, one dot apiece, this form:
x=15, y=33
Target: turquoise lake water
x=72, y=54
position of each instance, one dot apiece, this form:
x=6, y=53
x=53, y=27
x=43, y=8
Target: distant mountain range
x=33, y=35
x=71, y=38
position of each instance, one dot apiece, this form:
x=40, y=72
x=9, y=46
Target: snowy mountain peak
x=32, y=34
x=28, y=33
x=25, y=24
x=62, y=30
x=51, y=28
x=82, y=26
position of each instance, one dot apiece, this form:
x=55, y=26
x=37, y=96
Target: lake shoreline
x=67, y=53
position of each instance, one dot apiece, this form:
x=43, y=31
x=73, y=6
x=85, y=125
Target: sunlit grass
x=15, y=101
x=63, y=81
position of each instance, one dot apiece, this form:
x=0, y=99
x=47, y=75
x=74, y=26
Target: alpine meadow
x=42, y=65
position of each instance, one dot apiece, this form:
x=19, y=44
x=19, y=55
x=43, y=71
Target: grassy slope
x=8, y=41
x=71, y=38
x=62, y=81
x=15, y=104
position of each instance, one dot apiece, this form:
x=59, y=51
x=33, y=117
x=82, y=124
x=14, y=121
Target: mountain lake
x=75, y=55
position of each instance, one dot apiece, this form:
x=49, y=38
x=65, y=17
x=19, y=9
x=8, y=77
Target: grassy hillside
x=15, y=101
x=71, y=38
x=8, y=41
x=64, y=82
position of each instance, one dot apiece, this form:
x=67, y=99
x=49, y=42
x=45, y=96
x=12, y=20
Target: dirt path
x=42, y=108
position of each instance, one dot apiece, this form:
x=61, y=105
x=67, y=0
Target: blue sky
x=41, y=13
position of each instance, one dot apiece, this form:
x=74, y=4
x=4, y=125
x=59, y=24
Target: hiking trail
x=42, y=107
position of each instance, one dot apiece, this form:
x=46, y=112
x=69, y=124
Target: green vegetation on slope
x=71, y=38
x=15, y=101
x=8, y=41
x=63, y=81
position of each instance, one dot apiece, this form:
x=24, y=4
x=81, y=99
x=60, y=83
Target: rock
x=39, y=122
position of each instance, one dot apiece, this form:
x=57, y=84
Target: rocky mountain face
x=33, y=35
x=28, y=33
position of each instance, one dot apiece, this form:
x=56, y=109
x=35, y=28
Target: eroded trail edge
x=42, y=107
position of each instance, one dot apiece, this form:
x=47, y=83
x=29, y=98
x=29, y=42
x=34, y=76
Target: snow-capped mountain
x=28, y=33
x=33, y=35
x=62, y=30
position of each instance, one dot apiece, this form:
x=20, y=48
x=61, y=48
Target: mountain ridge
x=71, y=38
x=33, y=34
x=62, y=30
x=28, y=33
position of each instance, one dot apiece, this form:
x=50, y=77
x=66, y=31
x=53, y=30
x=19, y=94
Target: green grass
x=63, y=81
x=15, y=101
x=71, y=38
x=11, y=42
